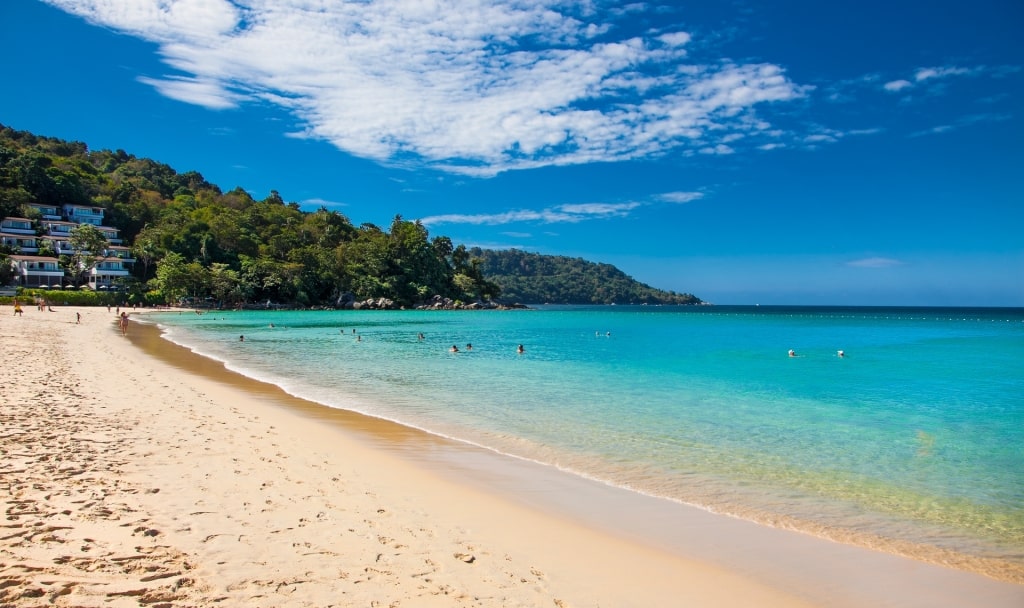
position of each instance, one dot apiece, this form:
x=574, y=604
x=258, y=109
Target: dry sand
x=132, y=480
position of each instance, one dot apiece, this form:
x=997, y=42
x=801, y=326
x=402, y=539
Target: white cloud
x=718, y=149
x=467, y=86
x=680, y=197
x=929, y=73
x=562, y=214
x=320, y=202
x=875, y=262
x=897, y=85
x=207, y=93
x=922, y=75
x=600, y=209
x=569, y=213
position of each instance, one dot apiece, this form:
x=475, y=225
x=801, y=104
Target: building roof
x=36, y=258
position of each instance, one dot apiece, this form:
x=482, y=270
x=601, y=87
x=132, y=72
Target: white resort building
x=38, y=271
x=24, y=238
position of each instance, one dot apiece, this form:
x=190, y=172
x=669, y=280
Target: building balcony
x=19, y=242
x=17, y=225
x=59, y=228
x=47, y=212
x=84, y=215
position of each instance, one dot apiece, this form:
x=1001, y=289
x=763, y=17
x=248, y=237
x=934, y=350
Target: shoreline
x=259, y=498
x=977, y=554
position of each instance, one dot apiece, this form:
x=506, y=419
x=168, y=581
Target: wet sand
x=136, y=473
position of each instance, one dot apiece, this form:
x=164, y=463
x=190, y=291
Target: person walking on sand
x=123, y=321
x=78, y=318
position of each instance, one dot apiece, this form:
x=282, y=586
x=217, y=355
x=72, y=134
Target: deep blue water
x=916, y=434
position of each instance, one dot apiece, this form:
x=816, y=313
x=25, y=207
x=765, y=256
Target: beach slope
x=127, y=480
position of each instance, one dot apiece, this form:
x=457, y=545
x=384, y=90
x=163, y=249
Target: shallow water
x=914, y=441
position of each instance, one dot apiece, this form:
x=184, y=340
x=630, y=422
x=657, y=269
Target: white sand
x=127, y=481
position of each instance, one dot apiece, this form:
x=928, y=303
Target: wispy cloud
x=201, y=92
x=931, y=75
x=942, y=72
x=562, y=214
x=319, y=202
x=680, y=197
x=571, y=214
x=876, y=262
x=966, y=121
x=465, y=86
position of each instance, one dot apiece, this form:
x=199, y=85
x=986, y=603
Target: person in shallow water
x=453, y=349
x=520, y=349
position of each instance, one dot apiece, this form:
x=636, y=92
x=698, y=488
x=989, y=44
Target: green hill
x=190, y=239
x=535, y=279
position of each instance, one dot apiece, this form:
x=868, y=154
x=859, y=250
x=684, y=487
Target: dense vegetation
x=191, y=239
x=535, y=278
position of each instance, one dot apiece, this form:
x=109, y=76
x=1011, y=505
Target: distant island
x=134, y=230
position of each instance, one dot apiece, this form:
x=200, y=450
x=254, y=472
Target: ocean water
x=912, y=442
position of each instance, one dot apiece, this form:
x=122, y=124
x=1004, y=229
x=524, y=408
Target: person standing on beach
x=123, y=321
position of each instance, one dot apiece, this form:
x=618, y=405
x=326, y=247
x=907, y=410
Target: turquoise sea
x=914, y=440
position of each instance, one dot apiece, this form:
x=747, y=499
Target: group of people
x=519, y=349
x=839, y=353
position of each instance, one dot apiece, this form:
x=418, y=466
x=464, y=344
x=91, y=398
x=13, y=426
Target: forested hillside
x=536, y=279
x=191, y=239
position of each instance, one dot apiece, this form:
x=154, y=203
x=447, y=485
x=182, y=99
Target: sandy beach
x=130, y=479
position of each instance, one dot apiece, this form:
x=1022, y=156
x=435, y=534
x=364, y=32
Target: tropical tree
x=89, y=246
x=172, y=278
x=6, y=270
x=227, y=286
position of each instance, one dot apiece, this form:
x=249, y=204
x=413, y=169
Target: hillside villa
x=26, y=238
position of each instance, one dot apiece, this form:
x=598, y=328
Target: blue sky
x=785, y=152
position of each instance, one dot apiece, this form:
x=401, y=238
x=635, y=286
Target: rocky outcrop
x=441, y=303
x=348, y=301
